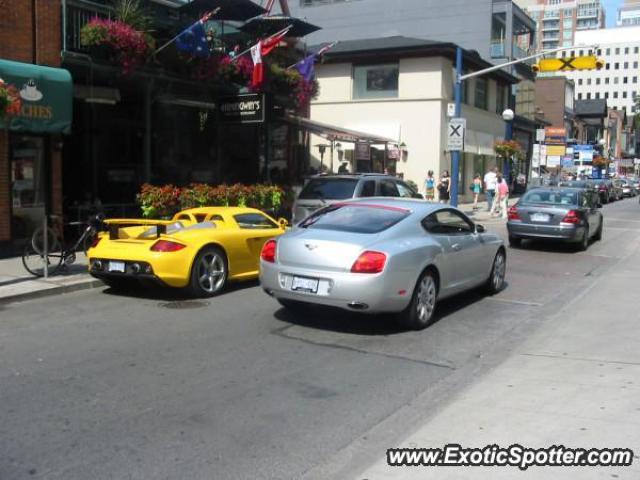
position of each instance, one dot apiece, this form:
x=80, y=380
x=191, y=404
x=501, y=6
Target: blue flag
x=306, y=67
x=193, y=40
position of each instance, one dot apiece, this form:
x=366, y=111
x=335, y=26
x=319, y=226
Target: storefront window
x=28, y=184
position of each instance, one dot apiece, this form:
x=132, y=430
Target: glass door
x=28, y=184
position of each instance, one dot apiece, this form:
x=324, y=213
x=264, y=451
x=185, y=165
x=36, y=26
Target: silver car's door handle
x=457, y=247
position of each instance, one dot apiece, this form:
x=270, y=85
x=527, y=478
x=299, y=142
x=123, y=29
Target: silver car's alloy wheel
x=426, y=299
x=499, y=269
x=211, y=272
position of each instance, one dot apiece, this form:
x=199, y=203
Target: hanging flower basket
x=508, y=149
x=118, y=42
x=10, y=102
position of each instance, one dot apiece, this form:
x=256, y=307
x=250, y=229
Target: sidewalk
x=576, y=383
x=18, y=284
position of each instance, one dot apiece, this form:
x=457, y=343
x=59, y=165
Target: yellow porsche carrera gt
x=200, y=248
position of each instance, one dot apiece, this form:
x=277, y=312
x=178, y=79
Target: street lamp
x=321, y=148
x=507, y=116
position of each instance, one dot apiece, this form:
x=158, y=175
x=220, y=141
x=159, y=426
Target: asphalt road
x=149, y=385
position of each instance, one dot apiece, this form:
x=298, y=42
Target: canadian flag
x=259, y=50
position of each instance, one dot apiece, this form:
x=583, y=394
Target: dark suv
x=321, y=190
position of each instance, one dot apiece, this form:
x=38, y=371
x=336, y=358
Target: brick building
x=555, y=99
x=31, y=143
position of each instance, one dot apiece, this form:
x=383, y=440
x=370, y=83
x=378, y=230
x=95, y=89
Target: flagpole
x=270, y=36
x=211, y=14
x=319, y=52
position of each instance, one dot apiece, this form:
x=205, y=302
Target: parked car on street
x=565, y=214
x=605, y=189
x=200, y=249
x=628, y=189
x=382, y=255
x=617, y=188
x=323, y=190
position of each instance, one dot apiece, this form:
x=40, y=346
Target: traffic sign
x=540, y=133
x=455, y=134
x=566, y=64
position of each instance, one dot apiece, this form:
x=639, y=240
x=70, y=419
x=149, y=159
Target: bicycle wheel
x=53, y=242
x=35, y=261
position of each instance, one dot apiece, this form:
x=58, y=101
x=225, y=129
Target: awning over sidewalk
x=46, y=94
x=334, y=133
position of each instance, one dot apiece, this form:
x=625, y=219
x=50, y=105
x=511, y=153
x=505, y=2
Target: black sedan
x=556, y=213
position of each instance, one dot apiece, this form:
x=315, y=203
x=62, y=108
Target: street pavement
x=150, y=384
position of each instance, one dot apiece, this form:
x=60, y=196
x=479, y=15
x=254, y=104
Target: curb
x=62, y=289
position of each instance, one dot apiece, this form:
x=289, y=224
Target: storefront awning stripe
x=46, y=94
x=335, y=133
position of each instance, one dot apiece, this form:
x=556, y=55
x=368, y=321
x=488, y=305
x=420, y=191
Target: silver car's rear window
x=360, y=218
x=329, y=189
x=551, y=197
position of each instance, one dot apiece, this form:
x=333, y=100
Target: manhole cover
x=184, y=304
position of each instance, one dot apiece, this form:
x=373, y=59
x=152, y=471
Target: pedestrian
x=430, y=187
x=444, y=187
x=502, y=197
x=490, y=187
x=476, y=188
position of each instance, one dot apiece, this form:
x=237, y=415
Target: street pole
x=455, y=154
x=508, y=135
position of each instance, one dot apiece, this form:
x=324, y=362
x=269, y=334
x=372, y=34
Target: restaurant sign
x=247, y=108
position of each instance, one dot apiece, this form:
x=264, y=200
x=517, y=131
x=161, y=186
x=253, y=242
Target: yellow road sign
x=568, y=64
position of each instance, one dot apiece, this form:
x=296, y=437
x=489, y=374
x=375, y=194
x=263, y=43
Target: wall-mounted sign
x=248, y=108
x=556, y=150
x=363, y=151
x=553, y=160
x=555, y=136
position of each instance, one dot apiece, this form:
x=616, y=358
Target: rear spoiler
x=113, y=225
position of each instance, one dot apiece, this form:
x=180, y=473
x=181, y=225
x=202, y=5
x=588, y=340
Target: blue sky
x=611, y=7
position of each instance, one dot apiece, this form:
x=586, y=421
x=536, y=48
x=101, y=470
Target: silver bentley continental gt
x=382, y=255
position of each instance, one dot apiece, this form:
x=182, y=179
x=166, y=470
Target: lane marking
x=620, y=220
x=283, y=333
x=580, y=359
x=516, y=302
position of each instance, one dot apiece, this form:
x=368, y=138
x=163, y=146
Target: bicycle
x=35, y=256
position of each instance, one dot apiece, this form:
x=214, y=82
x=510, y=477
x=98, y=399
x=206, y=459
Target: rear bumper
x=568, y=233
x=348, y=291
x=149, y=271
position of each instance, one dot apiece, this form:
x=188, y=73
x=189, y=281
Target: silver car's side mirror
x=480, y=229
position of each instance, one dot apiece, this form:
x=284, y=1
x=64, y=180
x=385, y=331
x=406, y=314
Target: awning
x=334, y=133
x=46, y=94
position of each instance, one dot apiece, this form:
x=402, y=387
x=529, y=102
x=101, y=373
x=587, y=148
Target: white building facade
x=619, y=81
x=413, y=107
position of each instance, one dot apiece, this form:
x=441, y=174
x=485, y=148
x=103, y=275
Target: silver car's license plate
x=539, y=217
x=305, y=284
x=116, y=267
